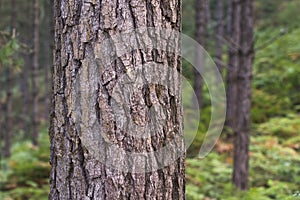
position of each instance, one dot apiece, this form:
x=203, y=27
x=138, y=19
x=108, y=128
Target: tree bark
x=241, y=143
x=233, y=63
x=35, y=73
x=82, y=102
x=200, y=36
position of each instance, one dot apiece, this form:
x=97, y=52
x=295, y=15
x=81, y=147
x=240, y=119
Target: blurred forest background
x=274, y=172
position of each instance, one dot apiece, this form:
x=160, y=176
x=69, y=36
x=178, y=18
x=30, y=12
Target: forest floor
x=274, y=168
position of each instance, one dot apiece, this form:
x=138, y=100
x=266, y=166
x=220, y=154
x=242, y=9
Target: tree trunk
x=200, y=35
x=2, y=127
x=8, y=114
x=49, y=50
x=219, y=32
x=241, y=143
x=26, y=37
x=207, y=11
x=35, y=73
x=84, y=97
x=2, y=109
x=229, y=18
x=233, y=63
x=24, y=86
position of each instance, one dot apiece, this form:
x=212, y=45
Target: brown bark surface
x=234, y=64
x=242, y=132
x=83, y=99
x=35, y=71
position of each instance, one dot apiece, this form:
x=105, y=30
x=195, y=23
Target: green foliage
x=192, y=126
x=289, y=14
x=272, y=162
x=26, y=173
x=265, y=105
x=277, y=67
x=193, y=129
x=209, y=175
x=32, y=193
x=282, y=127
x=274, y=173
x=277, y=13
x=8, y=53
x=274, y=165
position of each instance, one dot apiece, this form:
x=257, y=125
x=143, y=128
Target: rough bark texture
x=234, y=64
x=200, y=35
x=80, y=28
x=35, y=71
x=242, y=132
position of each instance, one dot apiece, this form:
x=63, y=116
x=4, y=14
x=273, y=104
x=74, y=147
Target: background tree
x=233, y=64
x=201, y=18
x=219, y=32
x=242, y=131
x=25, y=77
x=35, y=73
x=9, y=81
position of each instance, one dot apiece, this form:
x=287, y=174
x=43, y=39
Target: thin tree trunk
x=9, y=83
x=47, y=93
x=233, y=63
x=26, y=38
x=83, y=100
x=35, y=71
x=48, y=45
x=219, y=32
x=8, y=114
x=229, y=18
x=200, y=35
x=241, y=143
x=25, y=93
x=2, y=127
x=2, y=110
x=207, y=12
